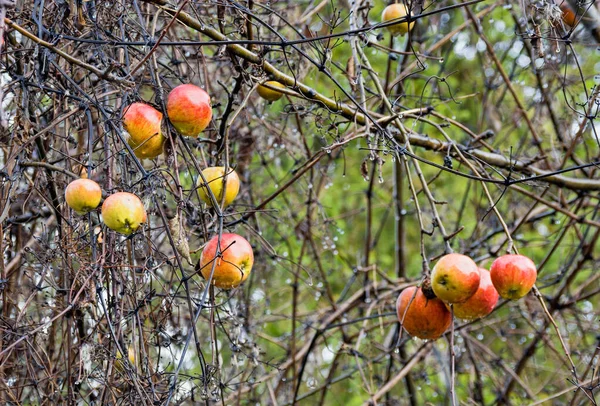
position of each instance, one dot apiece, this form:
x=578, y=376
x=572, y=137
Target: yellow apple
x=395, y=11
x=270, y=94
x=455, y=278
x=216, y=179
x=123, y=212
x=83, y=195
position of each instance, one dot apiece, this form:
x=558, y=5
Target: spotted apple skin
x=482, y=302
x=234, y=264
x=425, y=318
x=189, y=109
x=513, y=275
x=455, y=278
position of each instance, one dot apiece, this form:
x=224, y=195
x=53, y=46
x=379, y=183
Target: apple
x=513, y=276
x=216, y=179
x=482, y=302
x=83, y=195
x=120, y=363
x=143, y=124
x=233, y=263
x=189, y=109
x=395, y=11
x=123, y=212
x=424, y=318
x=455, y=278
x=568, y=16
x=81, y=171
x=270, y=94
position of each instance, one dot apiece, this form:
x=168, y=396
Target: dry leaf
x=351, y=73
x=180, y=238
x=364, y=169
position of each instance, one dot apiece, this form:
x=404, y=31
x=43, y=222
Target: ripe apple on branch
x=396, y=11
x=421, y=317
x=143, y=124
x=231, y=257
x=219, y=184
x=189, y=109
x=123, y=212
x=83, y=195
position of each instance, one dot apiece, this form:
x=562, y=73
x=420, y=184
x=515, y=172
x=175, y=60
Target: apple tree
x=366, y=146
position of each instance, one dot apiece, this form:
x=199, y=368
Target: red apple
x=481, y=303
x=425, y=318
x=189, y=109
x=123, y=212
x=455, y=278
x=142, y=122
x=83, y=195
x=234, y=262
x=513, y=276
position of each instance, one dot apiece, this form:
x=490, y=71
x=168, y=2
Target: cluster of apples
x=473, y=292
x=122, y=211
x=233, y=253
x=190, y=113
x=228, y=257
x=189, y=110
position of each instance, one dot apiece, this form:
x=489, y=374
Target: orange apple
x=233, y=264
x=395, y=11
x=481, y=303
x=513, y=276
x=270, y=94
x=123, y=212
x=83, y=195
x=142, y=122
x=189, y=109
x=217, y=181
x=425, y=318
x=568, y=16
x=455, y=278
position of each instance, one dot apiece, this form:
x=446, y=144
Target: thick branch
x=354, y=115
